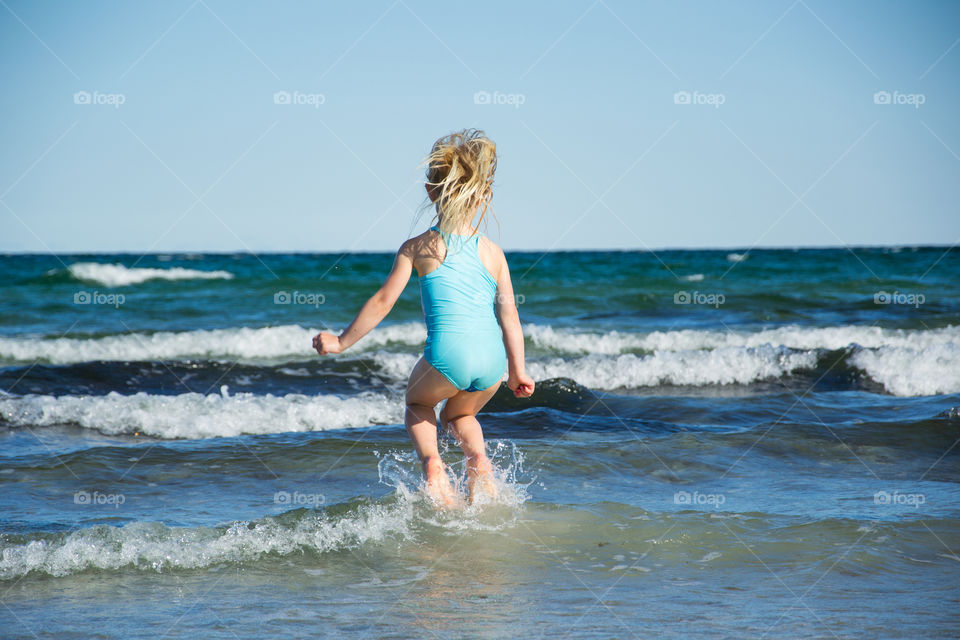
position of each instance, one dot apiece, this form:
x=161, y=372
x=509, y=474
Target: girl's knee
x=415, y=405
x=464, y=427
x=445, y=420
x=458, y=419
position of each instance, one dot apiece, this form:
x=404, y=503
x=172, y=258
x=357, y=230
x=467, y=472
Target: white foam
x=737, y=257
x=908, y=371
x=194, y=415
x=118, y=275
x=576, y=342
x=693, y=277
x=917, y=362
x=725, y=365
x=793, y=337
x=154, y=546
x=244, y=343
x=395, y=365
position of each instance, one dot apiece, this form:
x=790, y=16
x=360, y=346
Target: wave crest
x=245, y=343
x=194, y=415
x=152, y=545
x=119, y=275
x=904, y=362
x=718, y=366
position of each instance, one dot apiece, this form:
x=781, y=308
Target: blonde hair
x=460, y=171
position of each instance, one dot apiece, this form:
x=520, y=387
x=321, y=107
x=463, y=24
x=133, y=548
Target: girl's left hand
x=326, y=343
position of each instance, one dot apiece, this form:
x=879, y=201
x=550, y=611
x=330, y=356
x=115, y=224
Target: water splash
x=401, y=470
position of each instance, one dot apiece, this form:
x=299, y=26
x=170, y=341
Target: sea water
x=750, y=444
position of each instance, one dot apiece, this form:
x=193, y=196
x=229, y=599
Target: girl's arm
x=517, y=379
x=374, y=310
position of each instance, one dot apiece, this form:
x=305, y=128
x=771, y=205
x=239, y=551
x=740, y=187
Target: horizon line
x=739, y=248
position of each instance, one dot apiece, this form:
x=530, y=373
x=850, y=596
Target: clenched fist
x=326, y=343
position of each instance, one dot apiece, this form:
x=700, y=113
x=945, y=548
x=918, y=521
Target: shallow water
x=782, y=463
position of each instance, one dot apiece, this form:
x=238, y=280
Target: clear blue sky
x=599, y=154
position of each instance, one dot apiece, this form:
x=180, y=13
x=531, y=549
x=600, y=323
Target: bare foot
x=438, y=487
x=483, y=486
x=481, y=482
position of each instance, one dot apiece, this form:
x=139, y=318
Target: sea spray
x=401, y=470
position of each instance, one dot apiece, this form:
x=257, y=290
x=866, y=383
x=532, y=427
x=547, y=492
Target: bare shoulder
x=418, y=245
x=425, y=250
x=488, y=245
x=492, y=256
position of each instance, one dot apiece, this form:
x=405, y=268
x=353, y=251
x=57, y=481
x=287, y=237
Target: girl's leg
x=459, y=416
x=425, y=389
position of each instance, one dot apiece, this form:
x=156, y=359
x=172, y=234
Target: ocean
x=722, y=444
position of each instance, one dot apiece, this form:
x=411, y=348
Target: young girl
x=473, y=329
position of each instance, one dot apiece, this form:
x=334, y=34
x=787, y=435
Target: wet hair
x=460, y=171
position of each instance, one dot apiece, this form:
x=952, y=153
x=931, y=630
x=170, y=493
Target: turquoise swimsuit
x=464, y=341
